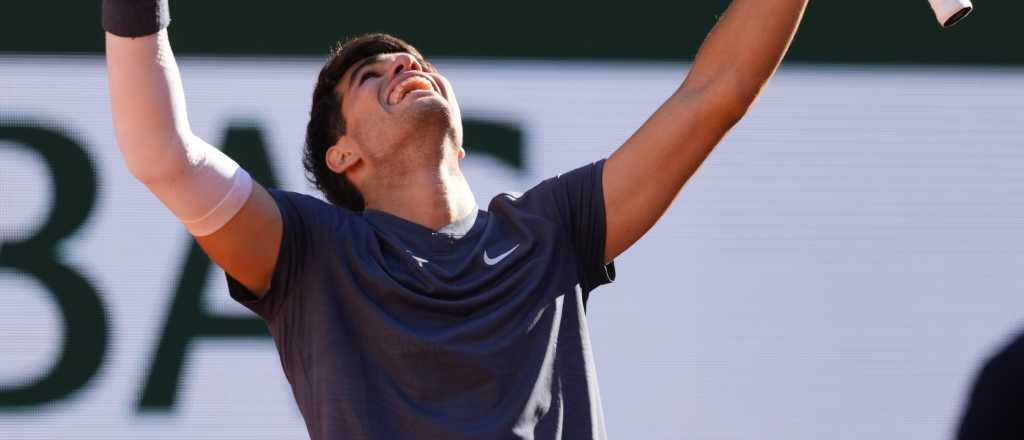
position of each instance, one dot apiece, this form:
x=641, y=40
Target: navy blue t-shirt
x=389, y=330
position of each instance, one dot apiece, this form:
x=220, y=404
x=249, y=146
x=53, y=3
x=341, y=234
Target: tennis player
x=401, y=310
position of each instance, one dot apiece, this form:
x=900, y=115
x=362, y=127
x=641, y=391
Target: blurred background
x=841, y=266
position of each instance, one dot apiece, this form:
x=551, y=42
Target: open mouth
x=408, y=85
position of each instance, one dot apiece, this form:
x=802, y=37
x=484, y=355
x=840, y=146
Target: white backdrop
x=837, y=269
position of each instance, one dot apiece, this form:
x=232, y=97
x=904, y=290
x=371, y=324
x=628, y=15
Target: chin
x=430, y=115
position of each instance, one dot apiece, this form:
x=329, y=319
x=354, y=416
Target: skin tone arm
x=152, y=128
x=249, y=261
x=733, y=65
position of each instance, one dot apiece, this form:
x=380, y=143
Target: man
x=401, y=310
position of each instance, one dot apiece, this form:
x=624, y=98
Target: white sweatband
x=202, y=186
x=949, y=12
x=215, y=178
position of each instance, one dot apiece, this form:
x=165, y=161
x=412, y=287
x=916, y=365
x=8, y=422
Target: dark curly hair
x=326, y=124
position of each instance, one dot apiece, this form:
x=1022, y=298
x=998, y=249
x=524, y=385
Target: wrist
x=135, y=18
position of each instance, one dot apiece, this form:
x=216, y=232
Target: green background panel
x=843, y=31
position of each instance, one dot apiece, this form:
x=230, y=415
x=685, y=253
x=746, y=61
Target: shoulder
x=297, y=199
x=555, y=193
x=534, y=197
x=535, y=209
x=305, y=211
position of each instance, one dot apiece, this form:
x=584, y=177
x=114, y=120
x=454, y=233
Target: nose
x=403, y=62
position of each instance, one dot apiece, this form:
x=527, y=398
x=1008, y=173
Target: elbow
x=732, y=97
x=732, y=112
x=722, y=109
x=151, y=176
x=152, y=160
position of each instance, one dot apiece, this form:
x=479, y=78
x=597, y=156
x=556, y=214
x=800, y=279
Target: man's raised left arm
x=741, y=53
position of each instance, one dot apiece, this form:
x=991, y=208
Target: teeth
x=407, y=85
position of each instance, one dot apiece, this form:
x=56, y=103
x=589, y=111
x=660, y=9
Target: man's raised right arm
x=234, y=219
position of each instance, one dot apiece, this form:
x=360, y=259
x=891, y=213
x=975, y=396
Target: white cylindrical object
x=948, y=12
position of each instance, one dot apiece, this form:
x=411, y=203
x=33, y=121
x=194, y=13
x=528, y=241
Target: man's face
x=392, y=103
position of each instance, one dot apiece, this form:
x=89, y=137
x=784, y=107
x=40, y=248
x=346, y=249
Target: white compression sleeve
x=201, y=185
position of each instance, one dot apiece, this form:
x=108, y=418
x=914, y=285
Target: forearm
x=148, y=106
x=744, y=49
x=147, y=100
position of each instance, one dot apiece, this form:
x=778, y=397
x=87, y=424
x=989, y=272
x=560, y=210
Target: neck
x=432, y=198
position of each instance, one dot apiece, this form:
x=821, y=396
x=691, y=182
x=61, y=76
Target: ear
x=342, y=156
x=462, y=153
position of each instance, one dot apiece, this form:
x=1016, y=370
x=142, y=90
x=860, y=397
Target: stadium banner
x=865, y=31
x=837, y=269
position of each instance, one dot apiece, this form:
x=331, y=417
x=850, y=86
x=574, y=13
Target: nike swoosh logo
x=492, y=261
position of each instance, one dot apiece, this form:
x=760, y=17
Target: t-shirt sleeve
x=304, y=219
x=576, y=200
